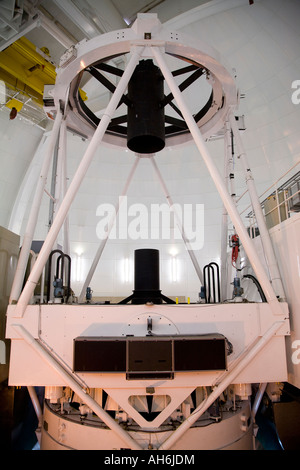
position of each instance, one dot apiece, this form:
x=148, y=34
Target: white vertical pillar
x=64, y=188
x=36, y=405
x=31, y=224
x=264, y=233
x=61, y=185
x=220, y=185
x=75, y=184
x=110, y=226
x=224, y=228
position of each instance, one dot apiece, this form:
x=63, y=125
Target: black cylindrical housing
x=146, y=270
x=146, y=117
x=146, y=279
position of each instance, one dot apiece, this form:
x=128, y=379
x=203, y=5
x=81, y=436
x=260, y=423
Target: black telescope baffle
x=146, y=116
x=146, y=279
x=59, y=274
x=210, y=287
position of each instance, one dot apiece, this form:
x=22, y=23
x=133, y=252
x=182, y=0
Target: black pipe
x=59, y=263
x=208, y=291
x=210, y=268
x=218, y=280
x=261, y=292
x=61, y=258
x=49, y=272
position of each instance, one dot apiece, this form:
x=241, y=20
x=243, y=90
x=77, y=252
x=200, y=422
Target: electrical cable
x=263, y=297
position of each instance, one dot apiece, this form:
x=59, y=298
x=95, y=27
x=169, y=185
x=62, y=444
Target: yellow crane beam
x=25, y=70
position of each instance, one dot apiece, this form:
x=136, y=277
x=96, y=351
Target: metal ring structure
x=92, y=56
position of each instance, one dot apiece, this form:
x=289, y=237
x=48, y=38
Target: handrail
x=282, y=189
x=270, y=187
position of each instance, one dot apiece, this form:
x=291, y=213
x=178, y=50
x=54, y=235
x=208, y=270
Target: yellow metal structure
x=25, y=70
x=18, y=105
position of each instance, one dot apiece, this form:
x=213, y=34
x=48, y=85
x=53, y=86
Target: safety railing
x=282, y=202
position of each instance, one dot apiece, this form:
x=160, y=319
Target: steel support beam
x=220, y=185
x=75, y=184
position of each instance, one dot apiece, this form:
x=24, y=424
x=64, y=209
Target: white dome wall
x=261, y=42
x=18, y=143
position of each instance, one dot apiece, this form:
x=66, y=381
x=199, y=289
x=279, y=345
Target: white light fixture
x=78, y=274
x=173, y=251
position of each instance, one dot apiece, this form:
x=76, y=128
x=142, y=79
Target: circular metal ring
x=95, y=54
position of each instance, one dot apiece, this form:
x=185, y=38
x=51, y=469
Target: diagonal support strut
x=220, y=186
x=75, y=184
